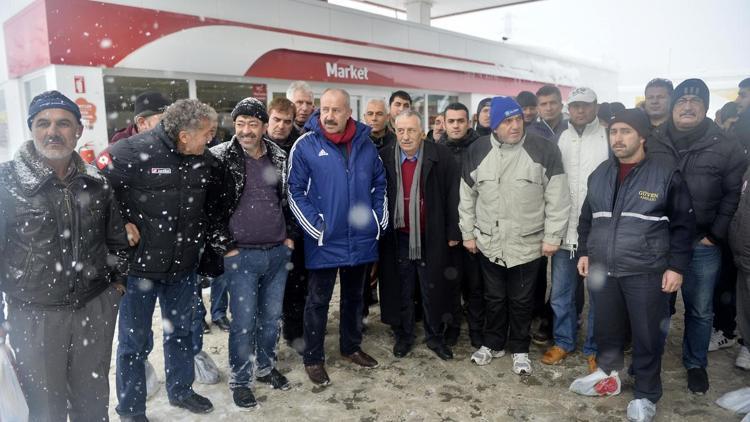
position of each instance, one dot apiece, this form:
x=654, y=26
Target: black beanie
x=484, y=103
x=526, y=99
x=252, y=107
x=52, y=99
x=605, y=112
x=635, y=118
x=150, y=103
x=691, y=87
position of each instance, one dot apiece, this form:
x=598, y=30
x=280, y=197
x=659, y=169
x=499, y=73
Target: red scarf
x=342, y=138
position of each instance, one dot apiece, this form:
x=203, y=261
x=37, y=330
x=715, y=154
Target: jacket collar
x=32, y=173
x=362, y=132
x=588, y=130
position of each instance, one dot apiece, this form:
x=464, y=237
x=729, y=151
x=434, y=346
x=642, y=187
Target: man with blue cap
x=63, y=260
x=513, y=209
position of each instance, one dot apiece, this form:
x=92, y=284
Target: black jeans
x=639, y=300
x=320, y=289
x=293, y=310
x=725, y=295
x=412, y=273
x=509, y=301
x=469, y=275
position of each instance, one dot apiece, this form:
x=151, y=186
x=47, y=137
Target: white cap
x=582, y=95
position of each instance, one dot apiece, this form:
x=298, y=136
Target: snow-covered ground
x=422, y=387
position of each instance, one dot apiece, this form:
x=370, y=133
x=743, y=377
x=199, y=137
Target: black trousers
x=725, y=295
x=509, y=301
x=638, y=300
x=413, y=273
x=468, y=272
x=295, y=295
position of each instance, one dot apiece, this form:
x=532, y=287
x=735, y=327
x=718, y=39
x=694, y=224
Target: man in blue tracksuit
x=337, y=194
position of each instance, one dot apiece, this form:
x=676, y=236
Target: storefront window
x=120, y=93
x=34, y=87
x=436, y=104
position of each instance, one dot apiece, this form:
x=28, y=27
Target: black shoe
x=451, y=336
x=222, y=323
x=276, y=380
x=136, y=418
x=542, y=336
x=401, y=349
x=243, y=397
x=194, y=403
x=442, y=351
x=206, y=327
x=697, y=380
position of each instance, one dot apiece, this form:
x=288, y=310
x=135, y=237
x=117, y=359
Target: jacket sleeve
x=308, y=216
x=452, y=183
x=467, y=216
x=220, y=239
x=556, y=198
x=117, y=240
x=6, y=205
x=681, y=224
x=292, y=229
x=117, y=163
x=379, y=193
x=731, y=185
x=584, y=226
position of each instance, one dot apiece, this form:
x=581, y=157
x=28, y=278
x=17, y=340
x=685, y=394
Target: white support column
x=418, y=11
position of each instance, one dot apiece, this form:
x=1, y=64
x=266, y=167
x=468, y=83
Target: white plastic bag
x=13, y=407
x=597, y=384
x=152, y=381
x=737, y=401
x=206, y=371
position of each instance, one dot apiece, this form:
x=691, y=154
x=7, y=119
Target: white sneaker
x=597, y=384
x=719, y=341
x=743, y=359
x=484, y=355
x=641, y=410
x=521, y=364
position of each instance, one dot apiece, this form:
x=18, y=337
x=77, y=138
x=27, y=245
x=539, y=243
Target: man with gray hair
x=376, y=116
x=414, y=251
x=300, y=93
x=161, y=178
x=63, y=257
x=337, y=193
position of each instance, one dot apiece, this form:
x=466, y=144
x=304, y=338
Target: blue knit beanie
x=503, y=108
x=52, y=99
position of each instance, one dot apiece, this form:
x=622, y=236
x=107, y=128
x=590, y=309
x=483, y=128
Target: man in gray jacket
x=514, y=208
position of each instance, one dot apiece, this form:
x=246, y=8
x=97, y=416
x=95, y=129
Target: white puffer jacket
x=581, y=155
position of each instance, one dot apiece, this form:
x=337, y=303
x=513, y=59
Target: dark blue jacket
x=340, y=204
x=645, y=225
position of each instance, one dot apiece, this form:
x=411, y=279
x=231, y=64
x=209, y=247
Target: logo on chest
x=159, y=170
x=648, y=196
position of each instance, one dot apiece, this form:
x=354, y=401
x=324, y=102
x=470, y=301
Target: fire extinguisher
x=87, y=153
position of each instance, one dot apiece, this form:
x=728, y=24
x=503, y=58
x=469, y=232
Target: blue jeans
x=565, y=279
x=697, y=294
x=256, y=279
x=219, y=297
x=197, y=325
x=177, y=302
x=320, y=289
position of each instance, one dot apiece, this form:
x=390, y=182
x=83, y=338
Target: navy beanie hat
x=252, y=107
x=503, y=108
x=484, y=103
x=691, y=87
x=52, y=99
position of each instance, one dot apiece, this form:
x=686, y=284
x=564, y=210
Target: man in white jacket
x=583, y=146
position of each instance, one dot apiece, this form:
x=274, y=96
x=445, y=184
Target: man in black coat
x=712, y=166
x=160, y=178
x=422, y=200
x=63, y=260
x=458, y=137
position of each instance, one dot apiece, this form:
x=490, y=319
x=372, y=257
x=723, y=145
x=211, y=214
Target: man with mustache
x=337, y=193
x=514, y=209
x=634, y=233
x=712, y=166
x=63, y=256
x=250, y=231
x=300, y=93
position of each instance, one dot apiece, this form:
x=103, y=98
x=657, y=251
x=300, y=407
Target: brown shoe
x=554, y=355
x=362, y=359
x=317, y=374
x=591, y=359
